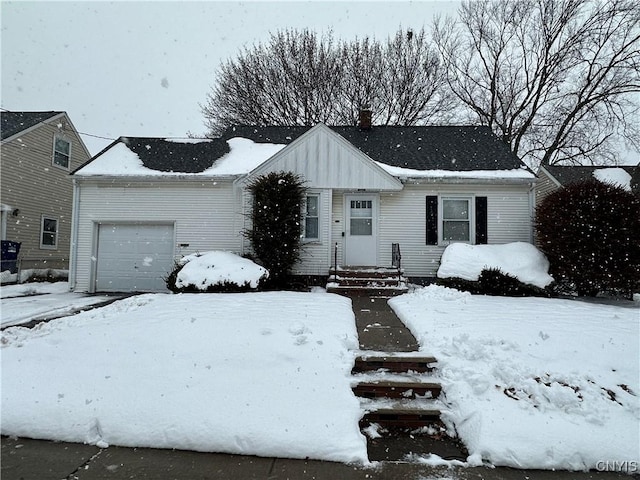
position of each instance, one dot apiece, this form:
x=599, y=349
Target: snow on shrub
x=216, y=272
x=520, y=260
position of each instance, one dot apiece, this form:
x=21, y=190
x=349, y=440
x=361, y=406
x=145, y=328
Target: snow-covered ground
x=533, y=382
x=32, y=301
x=258, y=373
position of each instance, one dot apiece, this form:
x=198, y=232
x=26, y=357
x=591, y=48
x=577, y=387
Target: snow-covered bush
x=512, y=269
x=519, y=259
x=215, y=272
x=589, y=231
x=492, y=281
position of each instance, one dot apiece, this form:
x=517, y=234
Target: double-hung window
x=312, y=217
x=61, y=152
x=49, y=233
x=452, y=219
x=456, y=219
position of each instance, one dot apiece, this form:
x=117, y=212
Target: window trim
x=57, y=137
x=470, y=199
x=305, y=238
x=43, y=246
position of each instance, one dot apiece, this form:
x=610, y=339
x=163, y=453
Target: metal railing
x=396, y=259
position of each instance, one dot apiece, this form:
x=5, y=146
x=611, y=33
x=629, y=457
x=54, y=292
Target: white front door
x=361, y=224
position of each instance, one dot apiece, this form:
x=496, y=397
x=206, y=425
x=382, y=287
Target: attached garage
x=133, y=257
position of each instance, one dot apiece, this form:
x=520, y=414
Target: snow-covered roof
x=404, y=152
x=162, y=157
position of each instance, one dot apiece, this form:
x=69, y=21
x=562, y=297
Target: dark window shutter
x=432, y=220
x=481, y=220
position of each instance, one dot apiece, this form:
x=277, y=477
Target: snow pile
x=252, y=373
x=521, y=260
x=614, y=176
x=204, y=270
x=533, y=382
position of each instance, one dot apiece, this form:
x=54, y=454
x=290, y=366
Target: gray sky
x=142, y=68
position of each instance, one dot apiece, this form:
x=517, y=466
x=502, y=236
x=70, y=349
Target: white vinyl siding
x=206, y=214
x=403, y=221
x=328, y=161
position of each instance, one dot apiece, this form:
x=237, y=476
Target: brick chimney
x=365, y=118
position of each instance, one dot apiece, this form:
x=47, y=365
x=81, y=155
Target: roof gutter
x=468, y=180
x=195, y=178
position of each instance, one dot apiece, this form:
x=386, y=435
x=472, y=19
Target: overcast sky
x=143, y=68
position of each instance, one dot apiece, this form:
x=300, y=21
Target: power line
x=43, y=122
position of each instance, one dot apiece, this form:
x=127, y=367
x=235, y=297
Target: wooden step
x=364, y=272
x=368, y=282
x=388, y=291
x=396, y=364
x=392, y=389
x=401, y=417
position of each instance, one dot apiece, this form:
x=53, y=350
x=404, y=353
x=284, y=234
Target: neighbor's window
x=49, y=233
x=61, y=152
x=311, y=219
x=456, y=219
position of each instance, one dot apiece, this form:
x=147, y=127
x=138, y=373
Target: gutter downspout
x=532, y=212
x=74, y=236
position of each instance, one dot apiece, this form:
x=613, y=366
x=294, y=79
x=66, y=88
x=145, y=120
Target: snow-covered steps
x=394, y=363
x=397, y=389
x=399, y=396
x=371, y=281
x=401, y=417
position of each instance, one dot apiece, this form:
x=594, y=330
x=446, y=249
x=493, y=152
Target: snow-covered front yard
x=258, y=373
x=528, y=382
x=533, y=382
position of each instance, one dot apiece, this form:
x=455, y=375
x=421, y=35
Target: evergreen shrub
x=276, y=223
x=590, y=233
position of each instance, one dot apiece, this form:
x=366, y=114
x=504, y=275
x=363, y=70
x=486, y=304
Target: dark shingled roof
x=566, y=174
x=455, y=148
x=16, y=122
x=167, y=156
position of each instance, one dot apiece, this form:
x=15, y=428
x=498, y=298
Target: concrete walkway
x=379, y=329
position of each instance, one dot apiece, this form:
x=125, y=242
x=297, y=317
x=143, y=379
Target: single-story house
x=142, y=203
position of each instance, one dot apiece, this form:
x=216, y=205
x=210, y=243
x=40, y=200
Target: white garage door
x=133, y=258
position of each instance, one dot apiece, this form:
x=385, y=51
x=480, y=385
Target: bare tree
x=556, y=79
x=299, y=78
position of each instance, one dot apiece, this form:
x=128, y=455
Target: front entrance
x=361, y=212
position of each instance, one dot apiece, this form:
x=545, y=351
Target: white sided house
x=142, y=203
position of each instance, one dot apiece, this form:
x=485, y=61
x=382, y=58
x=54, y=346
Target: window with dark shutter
x=432, y=220
x=481, y=220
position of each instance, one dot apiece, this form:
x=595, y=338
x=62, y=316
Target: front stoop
x=367, y=281
x=400, y=399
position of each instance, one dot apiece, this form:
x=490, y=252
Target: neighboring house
x=553, y=177
x=38, y=151
x=144, y=202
